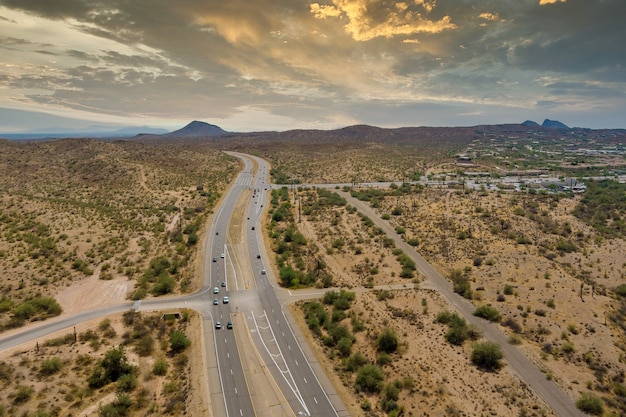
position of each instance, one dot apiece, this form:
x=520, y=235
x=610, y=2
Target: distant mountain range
x=95, y=131
x=199, y=130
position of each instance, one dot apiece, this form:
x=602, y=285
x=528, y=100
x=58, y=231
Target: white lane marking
x=286, y=372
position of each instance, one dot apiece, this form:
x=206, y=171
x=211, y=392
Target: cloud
x=369, y=19
x=305, y=61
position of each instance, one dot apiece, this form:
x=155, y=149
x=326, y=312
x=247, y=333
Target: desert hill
x=196, y=129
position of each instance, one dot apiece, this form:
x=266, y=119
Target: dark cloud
x=57, y=9
x=577, y=36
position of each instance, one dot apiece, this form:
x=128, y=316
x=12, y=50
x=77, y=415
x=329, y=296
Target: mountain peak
x=198, y=128
x=554, y=124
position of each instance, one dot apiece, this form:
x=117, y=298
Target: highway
x=269, y=327
x=236, y=265
x=233, y=261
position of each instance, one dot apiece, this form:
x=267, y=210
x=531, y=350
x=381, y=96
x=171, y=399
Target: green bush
x=355, y=361
x=387, y=341
x=160, y=367
x=50, y=366
x=487, y=312
x=487, y=355
x=369, y=378
x=23, y=394
x=126, y=383
x=178, y=341
x=590, y=404
x=344, y=346
x=621, y=290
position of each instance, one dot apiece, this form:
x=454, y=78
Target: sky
x=295, y=64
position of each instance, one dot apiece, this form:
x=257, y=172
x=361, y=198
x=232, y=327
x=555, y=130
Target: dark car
x=223, y=284
x=258, y=256
x=229, y=325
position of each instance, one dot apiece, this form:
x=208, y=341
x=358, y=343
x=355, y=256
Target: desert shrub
x=164, y=285
x=383, y=359
x=178, y=341
x=344, y=346
x=621, y=290
x=487, y=355
x=512, y=324
x=110, y=368
x=413, y=241
x=457, y=333
x=160, y=367
x=444, y=317
x=50, y=366
x=23, y=394
x=461, y=284
x=488, y=312
x=590, y=404
x=565, y=246
x=127, y=383
x=339, y=331
x=508, y=289
x=144, y=346
x=5, y=304
x=387, y=341
x=355, y=361
x=369, y=378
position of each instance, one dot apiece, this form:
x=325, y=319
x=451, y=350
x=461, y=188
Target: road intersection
x=234, y=254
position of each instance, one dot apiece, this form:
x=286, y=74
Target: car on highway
x=216, y=290
x=218, y=325
x=216, y=301
x=214, y=259
x=262, y=271
x=223, y=284
x=229, y=325
x=258, y=256
x=252, y=227
x=222, y=256
x=225, y=299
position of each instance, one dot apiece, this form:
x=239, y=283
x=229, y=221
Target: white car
x=216, y=290
x=225, y=300
x=222, y=256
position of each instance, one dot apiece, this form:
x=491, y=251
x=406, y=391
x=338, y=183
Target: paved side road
x=527, y=371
